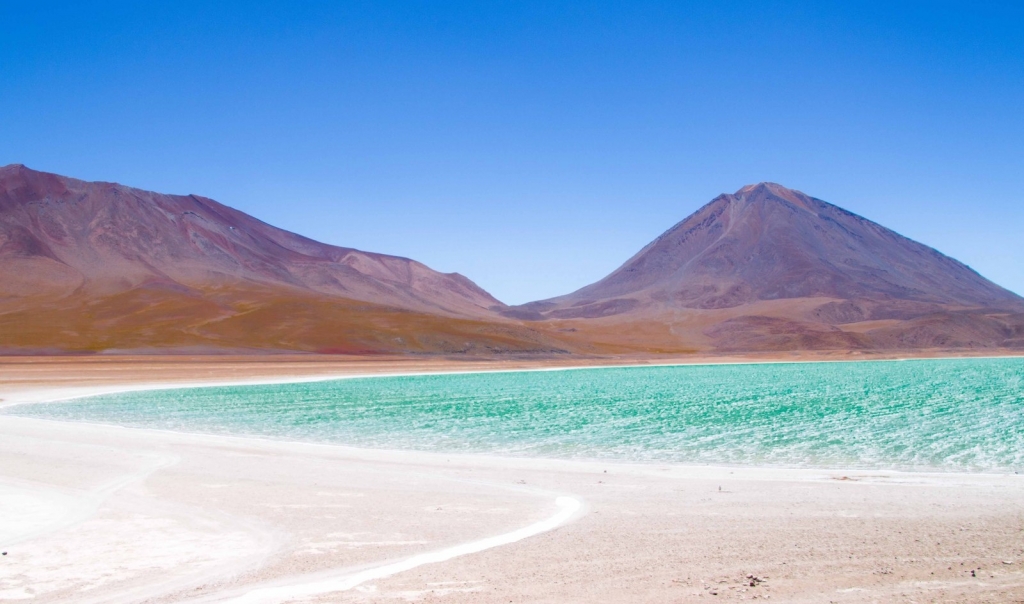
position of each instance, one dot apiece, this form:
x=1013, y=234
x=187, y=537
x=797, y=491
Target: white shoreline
x=751, y=471
x=489, y=474
x=34, y=395
x=83, y=392
x=812, y=473
x=570, y=507
x=41, y=395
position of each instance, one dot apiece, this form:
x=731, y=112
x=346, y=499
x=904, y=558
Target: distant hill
x=769, y=268
x=88, y=266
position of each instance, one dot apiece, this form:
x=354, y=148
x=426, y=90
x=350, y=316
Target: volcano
x=770, y=268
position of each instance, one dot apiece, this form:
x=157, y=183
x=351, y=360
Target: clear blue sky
x=532, y=146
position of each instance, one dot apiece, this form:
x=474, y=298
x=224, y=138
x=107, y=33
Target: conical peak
x=767, y=243
x=759, y=186
x=772, y=188
x=769, y=191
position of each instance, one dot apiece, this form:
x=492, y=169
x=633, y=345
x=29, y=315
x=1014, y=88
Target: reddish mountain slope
x=91, y=266
x=772, y=268
x=65, y=234
x=102, y=267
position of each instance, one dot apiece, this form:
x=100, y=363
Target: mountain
x=770, y=268
x=101, y=266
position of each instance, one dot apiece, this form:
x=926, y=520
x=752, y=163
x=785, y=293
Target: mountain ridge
x=101, y=267
x=92, y=266
x=172, y=231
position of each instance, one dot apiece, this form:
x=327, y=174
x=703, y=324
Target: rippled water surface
x=953, y=415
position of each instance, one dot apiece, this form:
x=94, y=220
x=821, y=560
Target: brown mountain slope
x=65, y=234
x=99, y=266
x=769, y=268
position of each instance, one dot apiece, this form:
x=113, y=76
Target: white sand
x=106, y=514
x=567, y=508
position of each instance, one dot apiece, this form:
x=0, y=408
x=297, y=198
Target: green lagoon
x=962, y=415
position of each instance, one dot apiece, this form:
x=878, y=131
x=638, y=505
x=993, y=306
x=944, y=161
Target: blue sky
x=532, y=146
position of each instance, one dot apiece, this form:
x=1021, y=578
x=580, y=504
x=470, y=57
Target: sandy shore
x=105, y=514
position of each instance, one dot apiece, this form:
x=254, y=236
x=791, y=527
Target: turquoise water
x=948, y=415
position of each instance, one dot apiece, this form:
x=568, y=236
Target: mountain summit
x=768, y=256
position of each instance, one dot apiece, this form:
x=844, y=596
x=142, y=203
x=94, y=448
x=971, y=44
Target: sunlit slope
x=768, y=268
x=90, y=266
x=219, y=320
x=93, y=267
x=60, y=235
